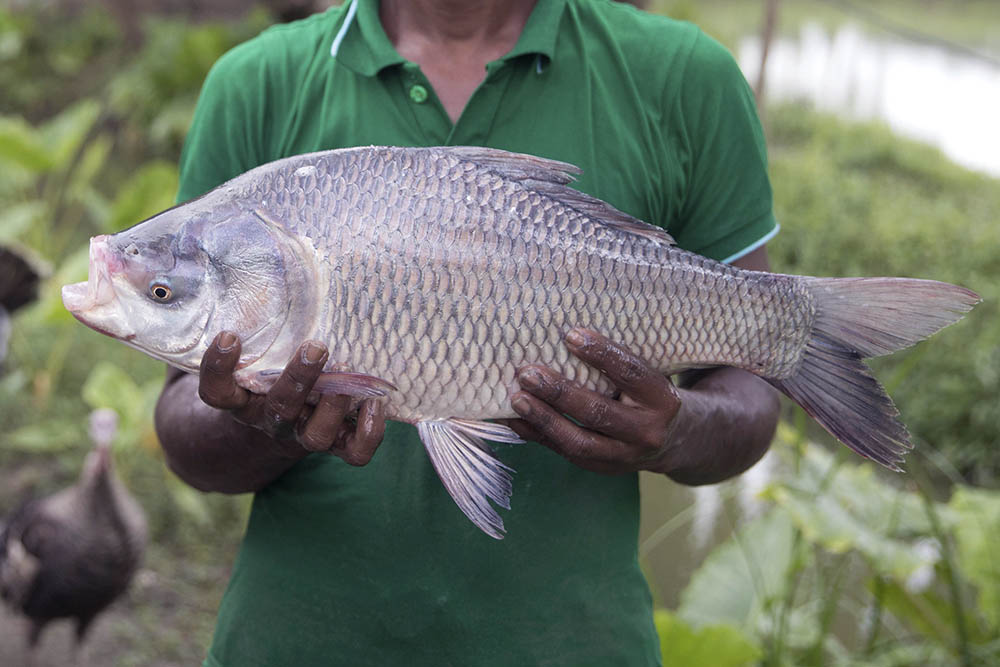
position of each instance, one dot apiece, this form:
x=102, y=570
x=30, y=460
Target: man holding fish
x=374, y=564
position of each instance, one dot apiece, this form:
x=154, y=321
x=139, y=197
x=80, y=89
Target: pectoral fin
x=469, y=470
x=357, y=385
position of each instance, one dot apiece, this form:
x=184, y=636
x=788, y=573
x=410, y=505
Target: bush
x=845, y=569
x=855, y=200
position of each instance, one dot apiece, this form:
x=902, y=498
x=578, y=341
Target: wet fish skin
x=433, y=274
x=447, y=310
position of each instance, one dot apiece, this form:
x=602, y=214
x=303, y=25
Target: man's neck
x=452, y=40
x=455, y=23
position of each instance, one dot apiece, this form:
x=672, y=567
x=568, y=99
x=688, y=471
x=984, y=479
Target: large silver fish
x=434, y=273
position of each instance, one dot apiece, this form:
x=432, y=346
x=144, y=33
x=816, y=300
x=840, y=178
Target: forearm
x=209, y=449
x=725, y=425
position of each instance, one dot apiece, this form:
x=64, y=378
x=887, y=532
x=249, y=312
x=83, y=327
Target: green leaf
x=91, y=163
x=171, y=123
x=741, y=577
x=64, y=134
x=148, y=192
x=907, y=654
x=16, y=219
x=21, y=144
x=709, y=646
x=977, y=537
x=189, y=501
x=12, y=381
x=47, y=438
x=95, y=204
x=49, y=308
x=827, y=521
x=843, y=507
x=108, y=386
x=11, y=39
x=927, y=612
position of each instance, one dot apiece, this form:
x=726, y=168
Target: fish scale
x=433, y=274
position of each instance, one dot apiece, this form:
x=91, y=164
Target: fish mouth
x=95, y=302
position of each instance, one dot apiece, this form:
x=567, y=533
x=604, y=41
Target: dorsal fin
x=517, y=166
x=550, y=177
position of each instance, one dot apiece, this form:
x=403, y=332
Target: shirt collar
x=540, y=32
x=362, y=46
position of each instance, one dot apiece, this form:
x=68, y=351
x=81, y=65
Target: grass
x=973, y=23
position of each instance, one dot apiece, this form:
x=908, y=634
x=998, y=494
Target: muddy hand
x=283, y=412
x=609, y=435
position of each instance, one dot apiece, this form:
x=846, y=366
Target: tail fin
x=867, y=317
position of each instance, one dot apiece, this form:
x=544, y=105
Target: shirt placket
x=428, y=112
x=474, y=125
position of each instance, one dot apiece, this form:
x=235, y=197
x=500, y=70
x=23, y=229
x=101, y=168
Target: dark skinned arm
x=714, y=426
x=219, y=437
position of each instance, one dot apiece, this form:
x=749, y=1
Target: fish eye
x=160, y=292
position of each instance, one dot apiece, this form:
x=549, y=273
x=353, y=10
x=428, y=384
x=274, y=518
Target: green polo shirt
x=376, y=565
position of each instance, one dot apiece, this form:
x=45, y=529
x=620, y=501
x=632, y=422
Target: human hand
x=612, y=436
x=284, y=413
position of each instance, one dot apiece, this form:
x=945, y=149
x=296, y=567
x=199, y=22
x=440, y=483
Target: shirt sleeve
x=727, y=208
x=224, y=139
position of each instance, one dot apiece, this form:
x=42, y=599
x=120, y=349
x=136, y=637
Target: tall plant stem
x=948, y=562
x=795, y=574
x=832, y=594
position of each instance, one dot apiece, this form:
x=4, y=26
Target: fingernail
x=521, y=405
x=530, y=377
x=226, y=341
x=313, y=352
x=575, y=338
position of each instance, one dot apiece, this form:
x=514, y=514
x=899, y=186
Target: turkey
x=71, y=554
x=19, y=278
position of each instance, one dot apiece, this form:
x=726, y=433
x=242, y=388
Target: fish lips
x=95, y=302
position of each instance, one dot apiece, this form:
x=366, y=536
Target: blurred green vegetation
x=90, y=133
x=103, y=161
x=856, y=200
x=847, y=565
x=968, y=22
x=843, y=568
x=50, y=59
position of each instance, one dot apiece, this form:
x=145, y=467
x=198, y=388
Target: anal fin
x=468, y=468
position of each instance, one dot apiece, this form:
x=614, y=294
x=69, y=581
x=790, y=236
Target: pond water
x=931, y=93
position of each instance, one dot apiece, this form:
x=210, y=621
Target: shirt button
x=418, y=94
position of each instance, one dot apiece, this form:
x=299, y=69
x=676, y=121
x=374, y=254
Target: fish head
x=146, y=290
x=168, y=285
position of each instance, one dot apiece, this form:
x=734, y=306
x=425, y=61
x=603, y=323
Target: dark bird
x=71, y=554
x=19, y=279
